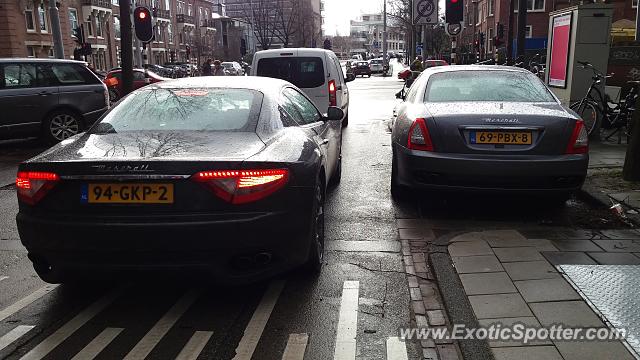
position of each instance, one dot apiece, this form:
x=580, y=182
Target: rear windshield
x=507, y=86
x=206, y=109
x=303, y=72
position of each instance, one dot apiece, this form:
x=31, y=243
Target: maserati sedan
x=225, y=175
x=486, y=128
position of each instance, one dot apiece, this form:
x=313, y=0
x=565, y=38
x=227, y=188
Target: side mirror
x=401, y=95
x=334, y=113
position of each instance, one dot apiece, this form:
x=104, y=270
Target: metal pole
x=475, y=21
x=126, y=45
x=424, y=42
x=385, y=61
x=510, y=32
x=522, y=26
x=453, y=50
x=637, y=23
x=58, y=48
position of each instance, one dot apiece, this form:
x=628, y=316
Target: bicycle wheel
x=589, y=113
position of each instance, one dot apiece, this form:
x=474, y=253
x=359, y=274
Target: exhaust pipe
x=262, y=258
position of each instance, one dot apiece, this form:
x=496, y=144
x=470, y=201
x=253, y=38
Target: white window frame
x=490, y=35
x=634, y=4
x=44, y=22
x=33, y=19
x=528, y=30
x=88, y=27
x=99, y=28
x=71, y=23
x=31, y=52
x=116, y=30
x=170, y=33
x=190, y=9
x=490, y=7
x=529, y=10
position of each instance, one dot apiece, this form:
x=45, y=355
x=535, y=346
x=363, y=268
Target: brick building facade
x=483, y=17
x=198, y=28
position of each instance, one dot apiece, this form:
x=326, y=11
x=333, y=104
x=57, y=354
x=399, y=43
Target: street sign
x=419, y=49
x=425, y=12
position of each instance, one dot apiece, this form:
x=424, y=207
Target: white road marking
x=296, y=346
x=3, y=278
x=14, y=335
x=347, y=322
x=41, y=350
x=18, y=305
x=98, y=344
x=194, y=346
x=258, y=321
x=160, y=329
x=396, y=349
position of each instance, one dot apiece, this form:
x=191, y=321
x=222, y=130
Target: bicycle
x=600, y=114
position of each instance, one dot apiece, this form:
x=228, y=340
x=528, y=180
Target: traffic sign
x=425, y=12
x=419, y=49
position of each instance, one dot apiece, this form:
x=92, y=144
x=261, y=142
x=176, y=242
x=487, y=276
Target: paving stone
x=422, y=322
x=546, y=290
x=418, y=307
x=415, y=234
x=526, y=353
x=448, y=352
x=529, y=321
x=430, y=354
x=470, y=236
x=593, y=350
x=573, y=258
x=436, y=317
x=619, y=245
x=415, y=294
x=428, y=343
x=576, y=245
x=487, y=283
x=530, y=270
x=621, y=234
x=476, y=264
x=441, y=341
x=420, y=267
x=470, y=248
x=567, y=313
x=419, y=258
x=413, y=281
x=608, y=258
x=512, y=254
x=499, y=306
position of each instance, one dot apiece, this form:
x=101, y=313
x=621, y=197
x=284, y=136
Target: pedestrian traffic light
x=143, y=24
x=454, y=11
x=327, y=44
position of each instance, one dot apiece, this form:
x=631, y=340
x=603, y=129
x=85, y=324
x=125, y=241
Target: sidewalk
x=604, y=181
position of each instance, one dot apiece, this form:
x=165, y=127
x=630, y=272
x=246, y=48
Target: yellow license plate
x=501, y=137
x=128, y=193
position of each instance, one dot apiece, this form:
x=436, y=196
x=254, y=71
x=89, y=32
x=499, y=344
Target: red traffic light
x=454, y=1
x=143, y=24
x=142, y=15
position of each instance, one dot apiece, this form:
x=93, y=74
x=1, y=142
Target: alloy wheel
x=63, y=126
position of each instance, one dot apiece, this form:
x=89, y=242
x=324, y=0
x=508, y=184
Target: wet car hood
x=156, y=145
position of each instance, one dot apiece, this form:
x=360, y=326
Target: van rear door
x=306, y=72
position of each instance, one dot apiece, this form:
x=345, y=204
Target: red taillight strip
x=573, y=147
x=33, y=185
x=243, y=186
x=422, y=126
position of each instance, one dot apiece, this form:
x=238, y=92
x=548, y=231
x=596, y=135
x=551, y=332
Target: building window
x=73, y=19
x=115, y=2
x=206, y=14
x=88, y=27
x=490, y=7
x=170, y=33
x=42, y=17
x=529, y=32
x=98, y=27
x=532, y=5
x=634, y=4
x=190, y=10
x=490, y=39
x=31, y=51
x=167, y=4
x=50, y=54
x=116, y=27
x=28, y=18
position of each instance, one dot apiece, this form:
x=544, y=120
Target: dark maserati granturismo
x=226, y=175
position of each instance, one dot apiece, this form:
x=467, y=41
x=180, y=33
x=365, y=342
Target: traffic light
x=143, y=24
x=454, y=11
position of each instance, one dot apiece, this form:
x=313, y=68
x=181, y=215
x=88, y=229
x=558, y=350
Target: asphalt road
x=167, y=316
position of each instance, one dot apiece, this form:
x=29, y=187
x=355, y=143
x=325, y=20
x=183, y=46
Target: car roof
x=42, y=60
x=440, y=69
x=300, y=51
x=265, y=85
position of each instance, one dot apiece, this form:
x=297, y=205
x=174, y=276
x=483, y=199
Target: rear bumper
x=438, y=171
x=225, y=246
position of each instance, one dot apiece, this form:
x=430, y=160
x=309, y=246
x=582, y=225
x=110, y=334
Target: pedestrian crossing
x=296, y=348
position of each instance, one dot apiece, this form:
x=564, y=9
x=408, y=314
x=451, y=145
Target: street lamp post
x=58, y=49
x=385, y=61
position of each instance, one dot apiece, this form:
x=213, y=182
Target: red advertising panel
x=560, y=50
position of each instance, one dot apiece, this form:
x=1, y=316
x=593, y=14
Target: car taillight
x=419, y=137
x=332, y=93
x=579, y=142
x=34, y=185
x=243, y=186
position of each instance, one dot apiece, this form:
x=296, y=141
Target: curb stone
x=596, y=197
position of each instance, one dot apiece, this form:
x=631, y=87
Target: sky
x=339, y=12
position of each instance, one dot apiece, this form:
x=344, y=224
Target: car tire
x=60, y=125
x=398, y=192
x=337, y=176
x=315, y=258
x=345, y=121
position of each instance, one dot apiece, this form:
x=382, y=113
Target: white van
x=317, y=72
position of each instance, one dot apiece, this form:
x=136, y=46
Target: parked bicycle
x=600, y=114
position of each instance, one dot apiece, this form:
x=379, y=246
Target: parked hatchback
x=316, y=71
x=52, y=98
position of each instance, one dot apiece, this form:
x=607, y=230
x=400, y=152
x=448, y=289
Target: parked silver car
x=51, y=98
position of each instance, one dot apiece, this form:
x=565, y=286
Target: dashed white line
x=396, y=349
x=194, y=346
x=18, y=305
x=296, y=347
x=98, y=344
x=14, y=335
x=258, y=321
x=347, y=322
x=160, y=329
x=41, y=350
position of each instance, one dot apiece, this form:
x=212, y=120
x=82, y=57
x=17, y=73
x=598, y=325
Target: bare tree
x=286, y=20
x=261, y=15
x=308, y=32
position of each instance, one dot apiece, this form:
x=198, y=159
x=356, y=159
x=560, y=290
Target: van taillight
x=333, y=101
